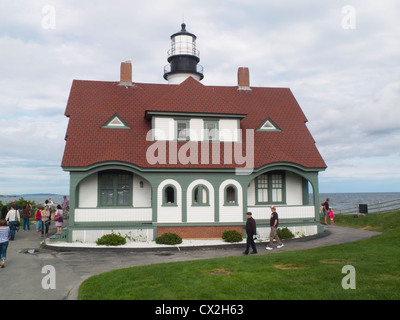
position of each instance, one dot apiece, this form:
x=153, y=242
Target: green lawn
x=308, y=274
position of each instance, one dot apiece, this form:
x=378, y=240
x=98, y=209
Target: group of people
x=251, y=231
x=11, y=219
x=326, y=211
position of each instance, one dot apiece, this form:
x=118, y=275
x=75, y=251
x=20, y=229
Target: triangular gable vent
x=116, y=123
x=268, y=125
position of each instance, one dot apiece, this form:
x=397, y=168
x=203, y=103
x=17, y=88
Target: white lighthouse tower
x=183, y=58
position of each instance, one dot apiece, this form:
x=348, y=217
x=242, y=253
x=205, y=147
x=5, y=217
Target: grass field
x=308, y=274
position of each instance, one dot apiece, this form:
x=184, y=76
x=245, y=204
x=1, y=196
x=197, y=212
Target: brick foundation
x=200, y=232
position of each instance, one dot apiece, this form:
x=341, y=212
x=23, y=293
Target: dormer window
x=182, y=130
x=211, y=130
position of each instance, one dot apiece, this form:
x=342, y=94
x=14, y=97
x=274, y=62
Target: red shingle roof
x=92, y=103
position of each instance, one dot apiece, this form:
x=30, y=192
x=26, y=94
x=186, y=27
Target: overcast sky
x=341, y=59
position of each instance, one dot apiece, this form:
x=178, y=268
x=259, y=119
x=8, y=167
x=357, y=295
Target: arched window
x=200, y=196
x=169, y=196
x=230, y=195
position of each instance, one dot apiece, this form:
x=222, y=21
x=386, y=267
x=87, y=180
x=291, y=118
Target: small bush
x=169, y=238
x=111, y=239
x=284, y=233
x=232, y=236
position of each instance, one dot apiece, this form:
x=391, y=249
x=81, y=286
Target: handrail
x=385, y=206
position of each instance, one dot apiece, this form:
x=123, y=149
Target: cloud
x=346, y=81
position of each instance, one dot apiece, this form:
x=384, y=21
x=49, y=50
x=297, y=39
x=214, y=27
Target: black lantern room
x=183, y=58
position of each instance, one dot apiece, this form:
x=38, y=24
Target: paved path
x=22, y=277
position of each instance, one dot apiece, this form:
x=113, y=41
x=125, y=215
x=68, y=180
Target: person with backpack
x=274, y=222
x=13, y=219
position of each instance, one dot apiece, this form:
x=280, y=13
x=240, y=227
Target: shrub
x=232, y=236
x=111, y=239
x=169, y=238
x=284, y=233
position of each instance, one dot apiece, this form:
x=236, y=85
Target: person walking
x=251, y=231
x=45, y=221
x=4, y=230
x=26, y=214
x=13, y=219
x=274, y=222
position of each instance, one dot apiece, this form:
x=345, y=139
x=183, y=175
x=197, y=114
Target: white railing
x=113, y=215
x=386, y=206
x=300, y=212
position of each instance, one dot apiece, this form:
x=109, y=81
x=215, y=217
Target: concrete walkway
x=24, y=273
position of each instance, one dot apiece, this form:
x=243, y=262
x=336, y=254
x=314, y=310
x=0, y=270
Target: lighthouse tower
x=183, y=58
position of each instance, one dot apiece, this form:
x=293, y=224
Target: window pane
x=277, y=186
x=262, y=187
x=107, y=197
x=204, y=195
x=181, y=133
x=211, y=131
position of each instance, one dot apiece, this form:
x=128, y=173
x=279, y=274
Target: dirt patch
x=221, y=271
x=289, y=266
x=367, y=228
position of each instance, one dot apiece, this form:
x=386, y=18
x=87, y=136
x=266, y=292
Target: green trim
x=149, y=114
x=274, y=129
x=107, y=125
x=164, y=200
x=200, y=202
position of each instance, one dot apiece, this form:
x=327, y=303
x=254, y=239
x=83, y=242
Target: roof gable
x=192, y=96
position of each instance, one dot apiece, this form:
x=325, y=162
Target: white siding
x=113, y=214
x=200, y=213
x=294, y=189
x=164, y=128
x=168, y=214
x=90, y=236
x=284, y=212
x=230, y=213
x=88, y=192
x=228, y=130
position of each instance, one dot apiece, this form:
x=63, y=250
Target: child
x=38, y=218
x=331, y=215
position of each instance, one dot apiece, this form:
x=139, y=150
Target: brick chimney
x=243, y=78
x=126, y=73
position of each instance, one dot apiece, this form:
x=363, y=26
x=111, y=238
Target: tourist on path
x=13, y=219
x=4, y=230
x=26, y=214
x=251, y=232
x=45, y=221
x=274, y=222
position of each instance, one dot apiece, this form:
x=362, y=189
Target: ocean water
x=38, y=198
x=340, y=201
